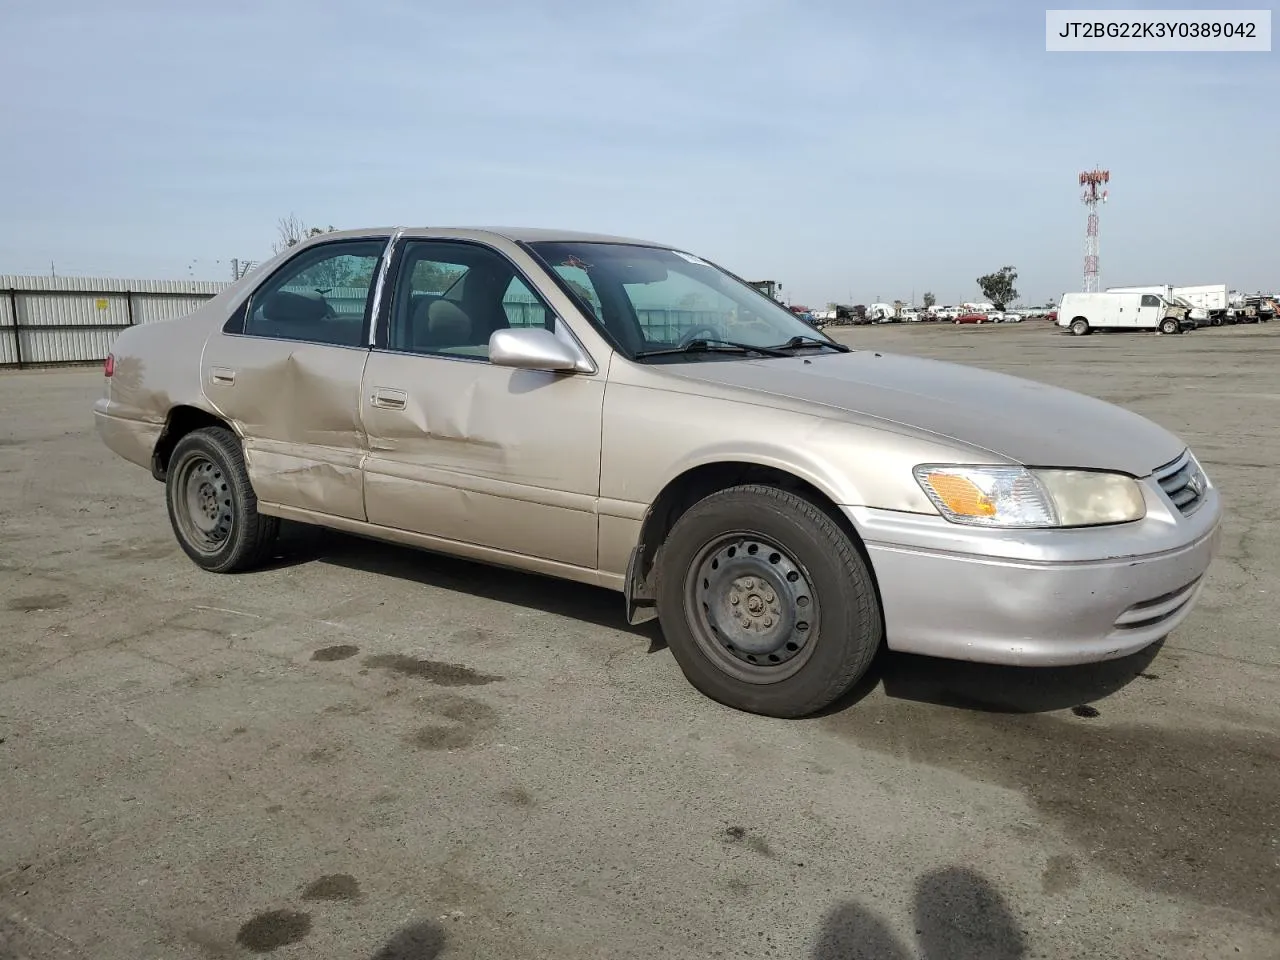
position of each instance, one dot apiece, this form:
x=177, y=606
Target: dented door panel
x=297, y=407
x=495, y=456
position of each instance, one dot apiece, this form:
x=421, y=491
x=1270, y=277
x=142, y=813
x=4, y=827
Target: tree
x=999, y=287
x=292, y=231
x=928, y=300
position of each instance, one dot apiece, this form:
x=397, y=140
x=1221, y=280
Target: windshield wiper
x=804, y=340
x=707, y=345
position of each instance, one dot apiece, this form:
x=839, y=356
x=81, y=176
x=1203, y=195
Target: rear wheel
x=1169, y=325
x=1079, y=327
x=766, y=603
x=212, y=506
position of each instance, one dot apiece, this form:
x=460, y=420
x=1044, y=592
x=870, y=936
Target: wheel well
x=182, y=420
x=1074, y=319
x=700, y=482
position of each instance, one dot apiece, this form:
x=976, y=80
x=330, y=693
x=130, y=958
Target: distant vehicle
x=1208, y=303
x=881, y=313
x=1256, y=309
x=1199, y=317
x=1011, y=318
x=972, y=318
x=1211, y=298
x=1083, y=313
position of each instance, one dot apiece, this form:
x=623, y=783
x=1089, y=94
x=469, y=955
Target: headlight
x=999, y=496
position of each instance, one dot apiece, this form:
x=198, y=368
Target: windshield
x=649, y=299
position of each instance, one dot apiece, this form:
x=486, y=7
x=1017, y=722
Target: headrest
x=447, y=322
x=289, y=306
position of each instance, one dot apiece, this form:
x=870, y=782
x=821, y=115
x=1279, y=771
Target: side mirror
x=531, y=348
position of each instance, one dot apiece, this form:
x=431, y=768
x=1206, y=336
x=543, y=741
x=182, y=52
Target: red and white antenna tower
x=1092, y=193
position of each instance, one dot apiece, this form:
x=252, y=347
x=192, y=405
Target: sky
x=852, y=152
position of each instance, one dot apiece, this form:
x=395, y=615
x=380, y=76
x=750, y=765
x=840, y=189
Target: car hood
x=1021, y=420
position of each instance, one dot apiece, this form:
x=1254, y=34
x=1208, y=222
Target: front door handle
x=223, y=375
x=389, y=399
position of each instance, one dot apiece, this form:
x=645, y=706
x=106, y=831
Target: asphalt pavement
x=365, y=751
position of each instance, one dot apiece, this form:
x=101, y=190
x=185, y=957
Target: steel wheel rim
x=752, y=608
x=204, y=506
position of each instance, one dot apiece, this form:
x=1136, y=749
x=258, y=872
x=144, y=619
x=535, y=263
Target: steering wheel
x=692, y=335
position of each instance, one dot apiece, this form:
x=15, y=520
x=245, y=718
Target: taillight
x=109, y=367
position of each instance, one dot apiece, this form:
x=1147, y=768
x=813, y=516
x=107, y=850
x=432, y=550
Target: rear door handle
x=389, y=399
x=223, y=375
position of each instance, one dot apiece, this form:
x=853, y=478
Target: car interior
x=459, y=319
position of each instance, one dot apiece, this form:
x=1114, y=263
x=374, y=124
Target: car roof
x=517, y=234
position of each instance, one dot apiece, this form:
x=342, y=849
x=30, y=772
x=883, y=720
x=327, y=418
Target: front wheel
x=766, y=602
x=1079, y=327
x=1169, y=325
x=212, y=506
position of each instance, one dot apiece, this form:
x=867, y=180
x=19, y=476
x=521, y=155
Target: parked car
x=629, y=415
x=1010, y=317
x=972, y=318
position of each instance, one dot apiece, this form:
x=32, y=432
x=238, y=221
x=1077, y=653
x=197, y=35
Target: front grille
x=1183, y=482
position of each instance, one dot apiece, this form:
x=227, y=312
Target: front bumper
x=1039, y=598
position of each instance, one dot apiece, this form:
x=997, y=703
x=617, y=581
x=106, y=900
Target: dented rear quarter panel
x=157, y=368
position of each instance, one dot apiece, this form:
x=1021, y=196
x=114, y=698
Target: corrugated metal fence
x=47, y=320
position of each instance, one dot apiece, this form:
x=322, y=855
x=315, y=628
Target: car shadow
x=991, y=688
x=951, y=683
x=300, y=544
x=424, y=940
x=958, y=915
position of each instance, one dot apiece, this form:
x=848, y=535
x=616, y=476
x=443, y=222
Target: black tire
x=212, y=506
x=805, y=590
x=1169, y=325
x=1079, y=327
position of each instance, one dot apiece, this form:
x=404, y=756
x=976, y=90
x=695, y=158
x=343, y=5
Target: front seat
x=439, y=325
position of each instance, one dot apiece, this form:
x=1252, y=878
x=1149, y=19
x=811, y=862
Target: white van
x=1083, y=313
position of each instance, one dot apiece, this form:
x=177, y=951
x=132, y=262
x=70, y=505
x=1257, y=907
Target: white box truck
x=1083, y=313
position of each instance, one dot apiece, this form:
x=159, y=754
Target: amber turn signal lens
x=961, y=495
